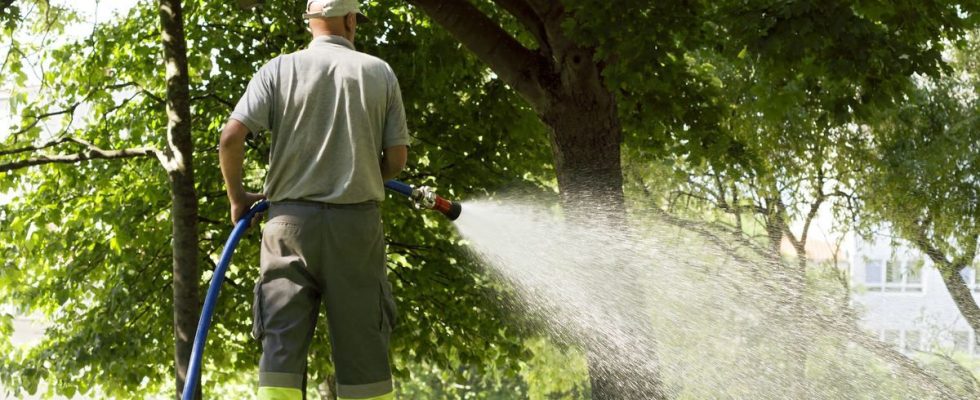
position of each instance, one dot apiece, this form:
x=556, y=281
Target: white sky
x=99, y=11
x=28, y=331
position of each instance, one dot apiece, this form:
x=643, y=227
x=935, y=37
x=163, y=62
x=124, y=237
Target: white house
x=902, y=297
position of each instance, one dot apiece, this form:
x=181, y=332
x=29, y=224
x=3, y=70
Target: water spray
x=423, y=198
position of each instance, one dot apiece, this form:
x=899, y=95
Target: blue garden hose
x=423, y=197
x=194, y=371
x=399, y=187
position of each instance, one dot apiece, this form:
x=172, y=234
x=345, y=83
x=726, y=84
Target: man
x=338, y=131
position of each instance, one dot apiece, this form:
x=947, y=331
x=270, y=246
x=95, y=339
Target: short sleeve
x=395, y=127
x=254, y=109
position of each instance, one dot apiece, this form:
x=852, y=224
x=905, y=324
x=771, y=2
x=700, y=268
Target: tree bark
x=950, y=271
x=180, y=168
x=585, y=139
x=585, y=135
x=794, y=291
x=563, y=84
x=328, y=388
x=963, y=297
x=77, y=157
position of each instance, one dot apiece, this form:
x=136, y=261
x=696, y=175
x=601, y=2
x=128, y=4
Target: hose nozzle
x=426, y=197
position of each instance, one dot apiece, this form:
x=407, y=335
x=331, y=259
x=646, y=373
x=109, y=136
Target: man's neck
x=334, y=39
x=318, y=33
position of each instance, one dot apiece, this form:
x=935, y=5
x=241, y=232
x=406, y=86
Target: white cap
x=334, y=8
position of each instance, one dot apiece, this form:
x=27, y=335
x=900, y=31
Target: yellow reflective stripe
x=279, y=393
x=386, y=396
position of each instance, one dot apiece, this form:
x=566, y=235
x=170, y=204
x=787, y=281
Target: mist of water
x=702, y=312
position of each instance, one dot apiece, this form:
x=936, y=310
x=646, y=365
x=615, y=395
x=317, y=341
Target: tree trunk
x=963, y=297
x=586, y=141
x=586, y=135
x=585, y=138
x=795, y=313
x=564, y=85
x=328, y=388
x=180, y=168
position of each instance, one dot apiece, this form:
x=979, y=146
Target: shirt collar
x=323, y=40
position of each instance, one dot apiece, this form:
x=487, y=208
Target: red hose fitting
x=425, y=197
x=450, y=209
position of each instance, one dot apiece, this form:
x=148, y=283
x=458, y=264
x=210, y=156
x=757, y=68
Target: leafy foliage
x=757, y=93
x=923, y=162
x=91, y=239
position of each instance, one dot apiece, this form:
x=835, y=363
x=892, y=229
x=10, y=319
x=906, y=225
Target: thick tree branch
x=544, y=8
x=969, y=253
x=721, y=204
x=408, y=245
x=961, y=371
x=215, y=97
x=526, y=15
x=736, y=212
x=704, y=188
x=950, y=270
x=42, y=146
x=207, y=220
x=152, y=96
x=722, y=200
x=814, y=207
x=518, y=66
x=798, y=244
x=90, y=154
x=921, y=240
x=703, y=228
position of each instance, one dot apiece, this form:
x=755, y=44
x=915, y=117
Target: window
x=893, y=275
x=906, y=341
x=872, y=272
x=913, y=273
x=961, y=341
x=970, y=277
x=913, y=340
x=892, y=337
x=893, y=272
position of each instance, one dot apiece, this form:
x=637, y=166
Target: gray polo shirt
x=331, y=111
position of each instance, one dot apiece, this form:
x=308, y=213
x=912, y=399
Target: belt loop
x=370, y=204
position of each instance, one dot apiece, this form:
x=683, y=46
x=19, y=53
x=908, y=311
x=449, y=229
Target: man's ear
x=350, y=21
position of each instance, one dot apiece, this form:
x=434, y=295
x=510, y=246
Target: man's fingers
x=240, y=209
x=256, y=219
x=255, y=197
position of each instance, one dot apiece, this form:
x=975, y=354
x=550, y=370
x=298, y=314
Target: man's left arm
x=393, y=161
x=395, y=137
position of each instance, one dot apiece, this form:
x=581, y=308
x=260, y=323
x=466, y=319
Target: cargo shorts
x=334, y=254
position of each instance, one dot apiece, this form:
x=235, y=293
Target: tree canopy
x=757, y=108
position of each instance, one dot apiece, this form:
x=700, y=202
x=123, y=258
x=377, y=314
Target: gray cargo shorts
x=313, y=252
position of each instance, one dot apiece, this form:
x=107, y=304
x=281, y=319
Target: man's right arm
x=252, y=113
x=231, y=155
x=393, y=161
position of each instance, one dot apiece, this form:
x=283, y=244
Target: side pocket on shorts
x=258, y=331
x=389, y=312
